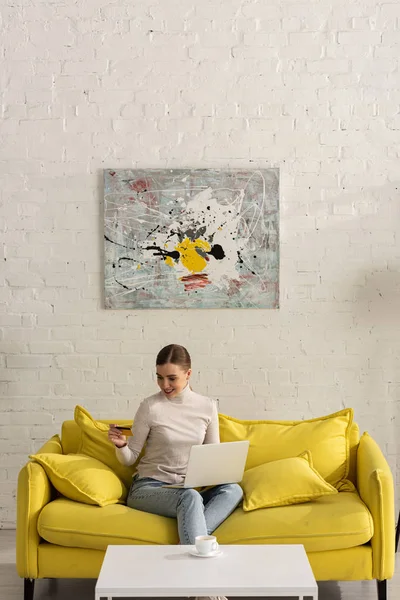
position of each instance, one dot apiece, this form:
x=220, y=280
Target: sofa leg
x=382, y=589
x=29, y=588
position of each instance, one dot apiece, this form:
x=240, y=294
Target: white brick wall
x=312, y=88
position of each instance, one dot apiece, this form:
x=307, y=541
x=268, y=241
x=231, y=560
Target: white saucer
x=194, y=552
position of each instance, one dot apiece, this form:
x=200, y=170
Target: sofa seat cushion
x=329, y=523
x=67, y=523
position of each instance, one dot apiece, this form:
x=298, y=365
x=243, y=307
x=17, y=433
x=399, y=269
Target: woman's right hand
x=116, y=437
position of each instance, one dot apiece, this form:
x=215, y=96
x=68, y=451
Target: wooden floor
x=11, y=586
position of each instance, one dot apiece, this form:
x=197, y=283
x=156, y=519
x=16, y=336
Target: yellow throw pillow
x=327, y=438
x=94, y=442
x=82, y=478
x=283, y=482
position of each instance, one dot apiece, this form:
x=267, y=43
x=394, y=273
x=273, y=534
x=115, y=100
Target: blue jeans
x=197, y=513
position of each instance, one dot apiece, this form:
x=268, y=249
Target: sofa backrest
x=71, y=435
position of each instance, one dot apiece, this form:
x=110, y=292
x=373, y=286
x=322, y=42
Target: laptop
x=215, y=464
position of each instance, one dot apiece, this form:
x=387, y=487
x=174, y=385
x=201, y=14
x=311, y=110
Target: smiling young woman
x=173, y=366
x=170, y=423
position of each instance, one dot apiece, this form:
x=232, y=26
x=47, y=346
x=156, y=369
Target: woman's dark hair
x=178, y=355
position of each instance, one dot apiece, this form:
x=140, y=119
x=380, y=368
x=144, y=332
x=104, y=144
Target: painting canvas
x=191, y=238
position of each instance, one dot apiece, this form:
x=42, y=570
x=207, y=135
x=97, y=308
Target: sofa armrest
x=375, y=486
x=33, y=493
x=52, y=446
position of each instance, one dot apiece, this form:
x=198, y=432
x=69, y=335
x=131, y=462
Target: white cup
x=205, y=544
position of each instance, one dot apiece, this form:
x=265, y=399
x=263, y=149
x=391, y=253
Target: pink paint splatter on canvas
x=194, y=282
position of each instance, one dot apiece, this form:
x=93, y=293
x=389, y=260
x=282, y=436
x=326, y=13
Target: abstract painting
x=191, y=238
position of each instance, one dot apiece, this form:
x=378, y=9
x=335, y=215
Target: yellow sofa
x=347, y=536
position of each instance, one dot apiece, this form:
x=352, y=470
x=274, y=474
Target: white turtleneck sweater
x=170, y=427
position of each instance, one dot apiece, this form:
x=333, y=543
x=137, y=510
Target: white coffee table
x=170, y=571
